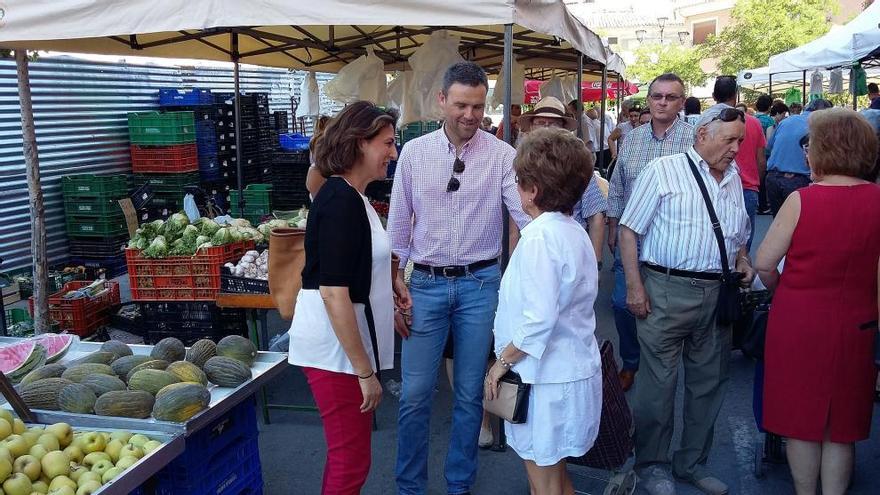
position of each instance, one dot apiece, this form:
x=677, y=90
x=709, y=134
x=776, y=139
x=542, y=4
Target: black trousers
x=780, y=185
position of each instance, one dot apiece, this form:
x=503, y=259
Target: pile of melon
x=171, y=384
x=55, y=460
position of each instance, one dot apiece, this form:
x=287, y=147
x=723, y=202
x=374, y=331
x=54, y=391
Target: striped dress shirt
x=433, y=227
x=640, y=147
x=591, y=203
x=668, y=212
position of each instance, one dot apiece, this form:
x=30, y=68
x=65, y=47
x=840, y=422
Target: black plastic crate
x=191, y=321
x=91, y=247
x=291, y=158
x=242, y=285
x=106, y=267
x=280, y=121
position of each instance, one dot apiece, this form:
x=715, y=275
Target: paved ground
x=292, y=446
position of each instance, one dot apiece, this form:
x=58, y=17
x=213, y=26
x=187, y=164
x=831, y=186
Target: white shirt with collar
x=545, y=304
x=668, y=212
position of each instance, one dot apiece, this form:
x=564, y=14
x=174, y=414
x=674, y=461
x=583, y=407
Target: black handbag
x=511, y=401
x=730, y=302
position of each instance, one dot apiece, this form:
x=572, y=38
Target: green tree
x=761, y=28
x=653, y=60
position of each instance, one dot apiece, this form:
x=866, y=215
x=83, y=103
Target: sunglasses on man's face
x=457, y=168
x=729, y=115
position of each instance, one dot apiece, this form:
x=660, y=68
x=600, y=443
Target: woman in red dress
x=819, y=358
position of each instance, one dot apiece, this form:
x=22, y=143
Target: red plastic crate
x=84, y=315
x=165, y=159
x=181, y=278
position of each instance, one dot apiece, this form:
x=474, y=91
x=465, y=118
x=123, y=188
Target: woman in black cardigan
x=342, y=331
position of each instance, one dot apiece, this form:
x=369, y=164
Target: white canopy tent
x=855, y=41
x=319, y=36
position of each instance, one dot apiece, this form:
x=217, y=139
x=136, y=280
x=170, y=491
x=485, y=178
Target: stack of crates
x=259, y=139
x=201, y=103
x=289, y=170
x=413, y=130
x=96, y=225
x=164, y=155
x=257, y=202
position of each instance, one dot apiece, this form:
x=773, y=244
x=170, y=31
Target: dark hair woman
x=342, y=331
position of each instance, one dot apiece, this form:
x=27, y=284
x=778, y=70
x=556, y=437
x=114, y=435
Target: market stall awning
x=855, y=41
x=590, y=90
x=321, y=36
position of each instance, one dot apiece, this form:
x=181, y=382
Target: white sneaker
x=486, y=438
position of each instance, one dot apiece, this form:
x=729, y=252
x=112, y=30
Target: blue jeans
x=466, y=307
x=625, y=322
x=751, y=200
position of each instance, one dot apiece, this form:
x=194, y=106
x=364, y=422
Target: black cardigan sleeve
x=339, y=246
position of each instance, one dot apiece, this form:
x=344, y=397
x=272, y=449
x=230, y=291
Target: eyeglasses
x=660, y=97
x=729, y=115
x=457, y=168
x=547, y=123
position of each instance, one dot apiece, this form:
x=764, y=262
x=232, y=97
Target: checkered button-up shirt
x=438, y=228
x=640, y=147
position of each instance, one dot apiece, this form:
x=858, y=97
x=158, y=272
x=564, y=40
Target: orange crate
x=181, y=278
x=84, y=315
x=178, y=158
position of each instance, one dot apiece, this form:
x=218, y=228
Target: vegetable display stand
x=181, y=278
x=164, y=159
x=154, y=128
x=82, y=315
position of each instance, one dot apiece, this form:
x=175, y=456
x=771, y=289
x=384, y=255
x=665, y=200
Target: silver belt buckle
x=447, y=275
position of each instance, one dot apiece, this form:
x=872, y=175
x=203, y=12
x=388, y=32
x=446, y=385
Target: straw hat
x=551, y=107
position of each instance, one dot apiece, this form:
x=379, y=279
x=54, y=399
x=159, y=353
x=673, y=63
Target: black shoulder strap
x=716, y=225
x=371, y=324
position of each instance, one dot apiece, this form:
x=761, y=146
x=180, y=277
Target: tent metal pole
x=770, y=82
x=804, y=89
x=619, y=101
x=35, y=196
x=508, y=130
x=579, y=110
x=602, y=138
x=236, y=77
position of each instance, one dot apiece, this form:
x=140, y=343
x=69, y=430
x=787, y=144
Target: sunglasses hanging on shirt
x=457, y=168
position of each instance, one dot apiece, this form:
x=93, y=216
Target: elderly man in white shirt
x=600, y=143
x=674, y=296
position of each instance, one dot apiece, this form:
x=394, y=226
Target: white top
x=593, y=126
x=667, y=210
x=545, y=304
x=314, y=344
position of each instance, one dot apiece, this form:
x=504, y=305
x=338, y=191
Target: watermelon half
x=56, y=344
x=19, y=359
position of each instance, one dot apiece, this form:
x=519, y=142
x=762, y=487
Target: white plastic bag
x=517, y=83
x=309, y=97
x=363, y=79
x=190, y=208
x=429, y=62
x=553, y=87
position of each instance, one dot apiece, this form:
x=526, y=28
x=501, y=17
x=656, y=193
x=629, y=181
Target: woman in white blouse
x=545, y=321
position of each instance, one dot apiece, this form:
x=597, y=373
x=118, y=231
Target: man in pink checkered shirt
x=450, y=189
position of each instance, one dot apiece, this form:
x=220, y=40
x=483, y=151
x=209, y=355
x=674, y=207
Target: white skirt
x=563, y=421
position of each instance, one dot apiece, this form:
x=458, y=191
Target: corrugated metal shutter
x=80, y=111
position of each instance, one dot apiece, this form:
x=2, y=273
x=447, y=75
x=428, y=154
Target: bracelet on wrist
x=366, y=376
x=504, y=363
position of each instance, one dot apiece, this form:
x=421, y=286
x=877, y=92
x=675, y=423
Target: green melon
x=169, y=349
x=226, y=372
x=237, y=347
x=153, y=364
x=125, y=403
x=43, y=394
x=125, y=364
x=77, y=398
x=120, y=349
x=101, y=384
x=46, y=371
x=101, y=357
x=201, y=352
x=180, y=401
x=151, y=381
x=187, y=372
x=80, y=371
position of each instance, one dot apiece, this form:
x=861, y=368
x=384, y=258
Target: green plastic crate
x=161, y=128
x=99, y=206
x=164, y=184
x=96, y=226
x=90, y=186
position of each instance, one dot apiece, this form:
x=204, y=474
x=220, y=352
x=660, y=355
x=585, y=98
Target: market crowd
x=683, y=191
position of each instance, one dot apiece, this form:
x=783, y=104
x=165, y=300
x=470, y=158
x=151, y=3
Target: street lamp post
x=661, y=21
x=683, y=36
x=640, y=35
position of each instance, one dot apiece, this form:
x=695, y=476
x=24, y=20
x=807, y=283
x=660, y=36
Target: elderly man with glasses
x=675, y=288
x=666, y=135
x=446, y=216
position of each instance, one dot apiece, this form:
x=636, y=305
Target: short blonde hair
x=842, y=142
x=558, y=164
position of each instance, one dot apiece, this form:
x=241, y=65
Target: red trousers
x=346, y=429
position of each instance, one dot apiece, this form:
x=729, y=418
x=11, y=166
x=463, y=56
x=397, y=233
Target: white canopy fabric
x=841, y=46
x=298, y=34
x=761, y=76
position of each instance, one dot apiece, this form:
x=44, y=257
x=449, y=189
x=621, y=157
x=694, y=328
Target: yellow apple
x=17, y=445
x=38, y=451
x=93, y=442
x=151, y=446
x=31, y=436
x=76, y=472
x=50, y=441
x=5, y=453
x=28, y=465
x=40, y=487
x=113, y=448
x=18, y=426
x=101, y=467
x=55, y=463
x=127, y=462
x=74, y=453
x=93, y=458
x=5, y=468
x=63, y=432
x=111, y=473
x=121, y=435
x=131, y=450
x=63, y=490
x=18, y=484
x=138, y=440
x=7, y=415
x=60, y=481
x=89, y=487
x=87, y=477
x=5, y=428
